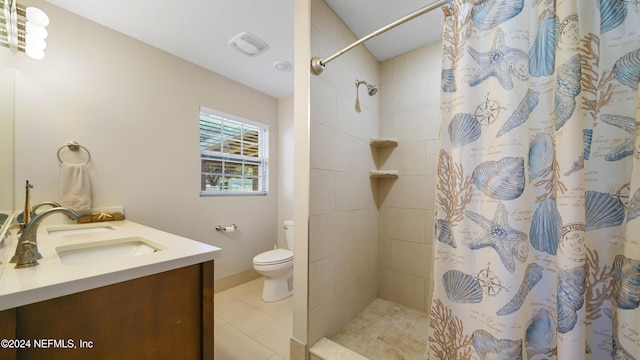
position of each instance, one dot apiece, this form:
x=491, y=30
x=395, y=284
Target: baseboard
x=234, y=280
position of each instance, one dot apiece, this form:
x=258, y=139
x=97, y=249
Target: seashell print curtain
x=537, y=229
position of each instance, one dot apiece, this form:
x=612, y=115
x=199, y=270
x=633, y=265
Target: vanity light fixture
x=23, y=28
x=248, y=44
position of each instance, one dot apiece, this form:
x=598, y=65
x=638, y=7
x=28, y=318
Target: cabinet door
x=155, y=317
x=8, y=331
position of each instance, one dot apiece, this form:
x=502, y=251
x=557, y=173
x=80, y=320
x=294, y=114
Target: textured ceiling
x=198, y=31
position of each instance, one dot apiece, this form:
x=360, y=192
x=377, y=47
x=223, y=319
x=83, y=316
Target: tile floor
x=248, y=328
x=387, y=331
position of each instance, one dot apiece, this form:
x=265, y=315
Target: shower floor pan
x=384, y=330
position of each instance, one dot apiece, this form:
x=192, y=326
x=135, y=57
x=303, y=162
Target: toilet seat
x=273, y=257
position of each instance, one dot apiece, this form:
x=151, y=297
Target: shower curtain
x=537, y=236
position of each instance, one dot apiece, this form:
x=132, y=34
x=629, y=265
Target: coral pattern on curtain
x=536, y=250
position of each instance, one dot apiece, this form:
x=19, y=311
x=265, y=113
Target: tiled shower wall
x=343, y=222
x=369, y=237
x=409, y=111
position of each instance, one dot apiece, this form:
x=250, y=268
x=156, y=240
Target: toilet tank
x=288, y=233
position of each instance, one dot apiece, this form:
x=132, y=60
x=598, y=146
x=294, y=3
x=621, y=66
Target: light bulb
x=34, y=53
x=37, y=16
x=36, y=31
x=35, y=42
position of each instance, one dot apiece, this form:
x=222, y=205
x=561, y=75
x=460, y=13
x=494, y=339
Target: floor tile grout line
x=247, y=294
x=255, y=341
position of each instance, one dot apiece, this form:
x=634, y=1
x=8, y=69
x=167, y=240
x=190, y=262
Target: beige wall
x=136, y=109
x=409, y=110
x=343, y=235
x=285, y=168
x=302, y=78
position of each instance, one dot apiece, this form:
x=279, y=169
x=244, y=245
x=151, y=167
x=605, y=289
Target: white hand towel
x=75, y=186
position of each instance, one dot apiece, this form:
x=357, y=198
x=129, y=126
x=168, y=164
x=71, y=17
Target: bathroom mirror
x=7, y=75
x=6, y=140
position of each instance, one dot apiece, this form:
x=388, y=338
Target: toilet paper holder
x=232, y=227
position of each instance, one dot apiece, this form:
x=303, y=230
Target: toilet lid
x=272, y=257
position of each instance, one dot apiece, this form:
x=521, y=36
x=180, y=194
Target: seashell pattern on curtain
x=543, y=258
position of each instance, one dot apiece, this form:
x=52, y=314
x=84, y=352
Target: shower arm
x=317, y=64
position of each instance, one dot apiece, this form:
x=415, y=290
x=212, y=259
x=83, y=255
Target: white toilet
x=277, y=268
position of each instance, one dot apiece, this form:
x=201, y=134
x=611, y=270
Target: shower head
x=371, y=89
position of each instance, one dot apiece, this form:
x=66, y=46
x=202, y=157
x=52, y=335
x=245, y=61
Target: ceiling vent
x=248, y=44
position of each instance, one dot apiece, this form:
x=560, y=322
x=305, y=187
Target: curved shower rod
x=317, y=64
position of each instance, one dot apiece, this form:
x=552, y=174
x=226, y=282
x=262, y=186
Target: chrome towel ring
x=74, y=146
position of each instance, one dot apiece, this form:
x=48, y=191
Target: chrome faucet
x=29, y=211
x=35, y=207
x=32, y=212
x=27, y=249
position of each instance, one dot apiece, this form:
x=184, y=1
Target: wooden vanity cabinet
x=168, y=315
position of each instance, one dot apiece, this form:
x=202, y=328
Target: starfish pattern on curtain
x=537, y=242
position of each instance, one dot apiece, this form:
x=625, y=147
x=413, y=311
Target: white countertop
x=52, y=278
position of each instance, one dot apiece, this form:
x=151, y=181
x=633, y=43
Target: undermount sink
x=106, y=250
x=79, y=229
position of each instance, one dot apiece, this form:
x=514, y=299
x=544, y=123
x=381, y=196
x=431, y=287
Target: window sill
x=233, y=193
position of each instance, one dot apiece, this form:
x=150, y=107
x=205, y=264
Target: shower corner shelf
x=383, y=142
x=379, y=143
x=383, y=173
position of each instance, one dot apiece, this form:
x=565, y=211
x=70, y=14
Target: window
x=234, y=155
